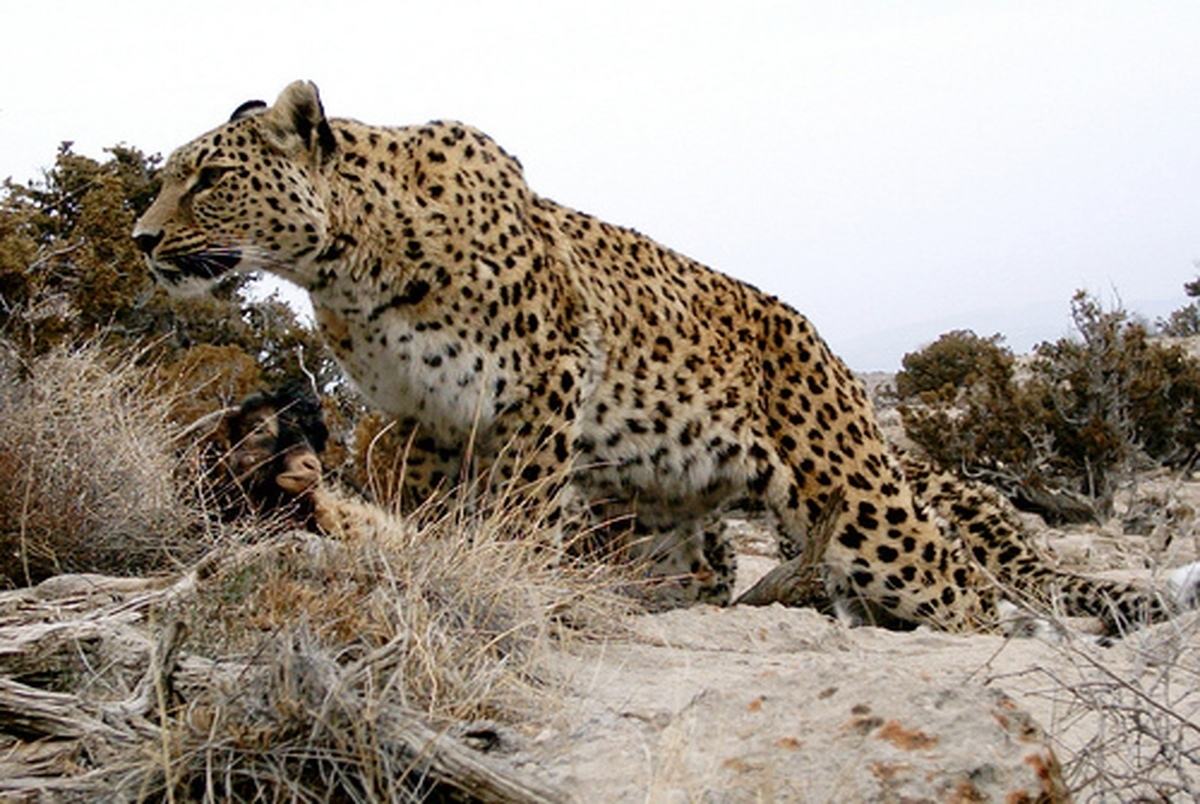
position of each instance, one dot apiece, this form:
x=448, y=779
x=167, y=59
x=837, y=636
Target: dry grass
x=446, y=621
x=87, y=457
x=1126, y=711
x=298, y=668
x=1127, y=727
x=276, y=666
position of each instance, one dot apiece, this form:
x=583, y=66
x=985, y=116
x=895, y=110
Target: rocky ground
x=776, y=704
x=705, y=704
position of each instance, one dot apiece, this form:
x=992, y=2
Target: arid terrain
x=450, y=656
x=778, y=704
x=704, y=704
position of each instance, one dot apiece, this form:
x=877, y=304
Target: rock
x=776, y=704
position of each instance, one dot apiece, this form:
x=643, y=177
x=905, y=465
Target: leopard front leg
x=681, y=560
x=525, y=463
x=681, y=550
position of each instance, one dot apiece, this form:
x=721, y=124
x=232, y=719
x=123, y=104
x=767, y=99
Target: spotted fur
x=605, y=371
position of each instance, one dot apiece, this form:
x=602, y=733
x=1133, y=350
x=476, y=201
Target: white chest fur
x=414, y=370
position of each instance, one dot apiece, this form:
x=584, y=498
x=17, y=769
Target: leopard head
x=246, y=196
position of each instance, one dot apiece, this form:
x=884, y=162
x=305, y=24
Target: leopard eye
x=209, y=176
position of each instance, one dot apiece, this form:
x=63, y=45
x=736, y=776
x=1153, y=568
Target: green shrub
x=955, y=361
x=1091, y=409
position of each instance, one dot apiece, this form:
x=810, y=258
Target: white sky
x=891, y=169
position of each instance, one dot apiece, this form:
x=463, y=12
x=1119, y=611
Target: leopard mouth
x=176, y=271
x=201, y=265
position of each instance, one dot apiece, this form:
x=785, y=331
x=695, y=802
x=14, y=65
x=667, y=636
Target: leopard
x=609, y=378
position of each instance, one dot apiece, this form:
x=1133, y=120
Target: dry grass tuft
x=87, y=460
x=302, y=668
x=445, y=622
x=1145, y=743
x=471, y=597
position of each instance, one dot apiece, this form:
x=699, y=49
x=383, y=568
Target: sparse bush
x=1128, y=736
x=955, y=361
x=1119, y=399
x=1184, y=322
x=1091, y=409
x=87, y=456
x=972, y=415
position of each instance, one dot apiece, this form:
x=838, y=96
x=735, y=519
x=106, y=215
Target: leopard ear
x=297, y=121
x=248, y=109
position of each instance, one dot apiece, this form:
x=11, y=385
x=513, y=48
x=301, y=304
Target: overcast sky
x=890, y=169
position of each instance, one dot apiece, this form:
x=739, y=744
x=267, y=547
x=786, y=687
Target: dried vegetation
x=87, y=457
x=254, y=666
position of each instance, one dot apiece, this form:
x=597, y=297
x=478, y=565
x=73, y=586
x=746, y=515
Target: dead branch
x=448, y=761
x=800, y=582
x=39, y=714
x=140, y=627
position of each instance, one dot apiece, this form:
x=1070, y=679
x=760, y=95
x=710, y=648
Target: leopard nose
x=146, y=241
